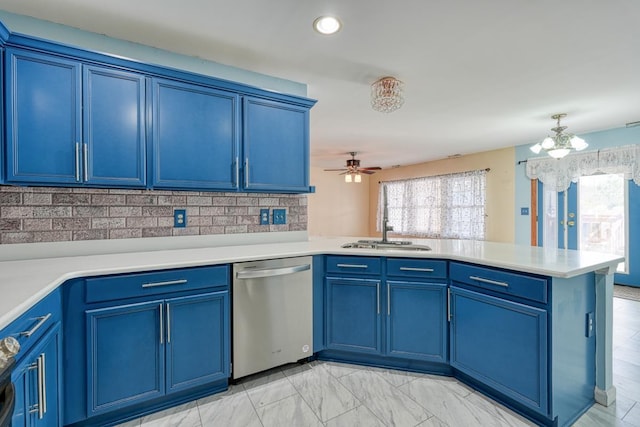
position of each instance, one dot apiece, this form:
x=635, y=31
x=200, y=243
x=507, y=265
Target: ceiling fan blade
x=335, y=170
x=373, y=168
x=367, y=172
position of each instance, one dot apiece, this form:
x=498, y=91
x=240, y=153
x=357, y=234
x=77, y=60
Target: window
x=444, y=206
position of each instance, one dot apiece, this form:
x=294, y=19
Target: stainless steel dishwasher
x=272, y=313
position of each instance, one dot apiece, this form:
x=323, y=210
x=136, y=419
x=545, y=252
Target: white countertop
x=24, y=283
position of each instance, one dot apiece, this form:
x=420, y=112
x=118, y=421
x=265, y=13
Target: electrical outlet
x=180, y=218
x=264, y=216
x=279, y=216
x=590, y=325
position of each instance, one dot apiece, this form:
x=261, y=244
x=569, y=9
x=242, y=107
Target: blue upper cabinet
x=114, y=127
x=196, y=135
x=71, y=124
x=43, y=118
x=276, y=146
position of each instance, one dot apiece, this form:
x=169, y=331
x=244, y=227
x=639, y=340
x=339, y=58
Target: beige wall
x=500, y=187
x=338, y=208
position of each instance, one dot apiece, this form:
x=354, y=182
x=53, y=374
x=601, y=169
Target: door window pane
x=603, y=215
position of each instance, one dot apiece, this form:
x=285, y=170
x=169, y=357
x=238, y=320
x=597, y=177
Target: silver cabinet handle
x=425, y=270
x=269, y=272
x=168, y=324
x=41, y=321
x=85, y=161
x=378, y=293
x=489, y=281
x=161, y=324
x=352, y=265
x=42, y=370
x=388, y=299
x=449, y=304
x=237, y=183
x=246, y=172
x=167, y=283
x=77, y=161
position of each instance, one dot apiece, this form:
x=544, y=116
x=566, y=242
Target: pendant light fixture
x=561, y=143
x=387, y=94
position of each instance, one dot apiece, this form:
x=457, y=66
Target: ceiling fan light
x=548, y=143
x=536, y=148
x=347, y=178
x=358, y=178
x=558, y=153
x=578, y=143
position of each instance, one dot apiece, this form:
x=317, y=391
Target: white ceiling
x=479, y=75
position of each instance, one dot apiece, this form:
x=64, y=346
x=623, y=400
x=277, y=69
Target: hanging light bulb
x=347, y=178
x=357, y=178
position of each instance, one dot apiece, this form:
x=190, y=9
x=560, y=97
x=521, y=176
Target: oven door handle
x=270, y=272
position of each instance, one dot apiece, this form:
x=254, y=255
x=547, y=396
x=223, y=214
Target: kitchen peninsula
x=561, y=299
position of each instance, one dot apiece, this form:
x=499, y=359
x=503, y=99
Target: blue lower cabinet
x=125, y=355
x=138, y=352
x=353, y=321
x=37, y=384
x=416, y=326
x=196, y=340
x=502, y=344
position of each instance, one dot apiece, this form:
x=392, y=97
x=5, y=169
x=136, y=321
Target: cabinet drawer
x=353, y=265
x=32, y=325
x=153, y=283
x=516, y=284
x=418, y=268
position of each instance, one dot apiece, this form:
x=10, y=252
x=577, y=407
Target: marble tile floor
x=333, y=394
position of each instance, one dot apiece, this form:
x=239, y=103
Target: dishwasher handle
x=269, y=272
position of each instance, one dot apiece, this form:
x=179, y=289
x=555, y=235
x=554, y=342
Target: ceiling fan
x=353, y=170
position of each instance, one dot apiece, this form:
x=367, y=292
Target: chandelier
x=560, y=144
x=386, y=94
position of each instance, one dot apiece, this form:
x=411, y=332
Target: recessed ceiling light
x=327, y=25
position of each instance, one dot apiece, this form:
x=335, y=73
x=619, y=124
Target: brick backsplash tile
x=125, y=233
x=108, y=223
x=10, y=198
x=90, y=234
x=108, y=199
x=9, y=224
x=37, y=199
x=52, y=211
x=71, y=223
x=16, y=212
x=43, y=214
x=37, y=224
x=70, y=199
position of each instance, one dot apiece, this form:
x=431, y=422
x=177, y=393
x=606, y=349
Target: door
x=196, y=135
x=416, y=320
x=502, y=344
x=197, y=340
x=601, y=213
x=125, y=355
x=114, y=128
x=276, y=146
x=43, y=118
x=353, y=315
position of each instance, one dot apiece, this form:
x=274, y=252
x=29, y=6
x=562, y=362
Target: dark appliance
x=7, y=393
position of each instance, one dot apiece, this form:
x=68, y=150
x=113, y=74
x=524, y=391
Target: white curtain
x=558, y=174
x=445, y=206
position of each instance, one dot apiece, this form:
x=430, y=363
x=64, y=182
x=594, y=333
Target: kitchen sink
x=401, y=245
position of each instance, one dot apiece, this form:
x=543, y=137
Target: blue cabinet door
x=276, y=146
x=416, y=321
x=114, y=128
x=37, y=384
x=42, y=107
x=125, y=355
x=353, y=321
x=502, y=344
x=196, y=135
x=197, y=340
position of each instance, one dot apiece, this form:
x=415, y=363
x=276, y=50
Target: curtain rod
x=431, y=176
